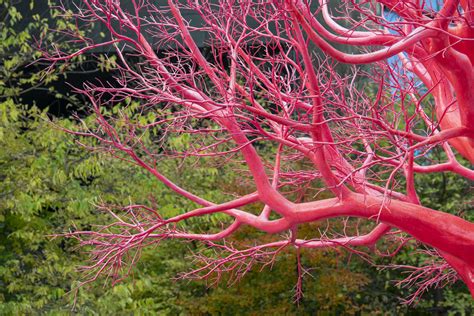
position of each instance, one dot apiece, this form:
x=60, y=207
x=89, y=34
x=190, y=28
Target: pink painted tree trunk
x=265, y=83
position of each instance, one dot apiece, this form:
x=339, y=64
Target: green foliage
x=18, y=33
x=51, y=185
x=329, y=288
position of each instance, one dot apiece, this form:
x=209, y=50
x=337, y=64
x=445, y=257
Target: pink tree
x=271, y=82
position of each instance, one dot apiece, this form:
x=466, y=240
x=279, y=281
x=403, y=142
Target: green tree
x=49, y=185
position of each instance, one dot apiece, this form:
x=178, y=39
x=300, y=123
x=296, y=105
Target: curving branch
x=267, y=101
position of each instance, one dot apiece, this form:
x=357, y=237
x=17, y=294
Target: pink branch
x=300, y=125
